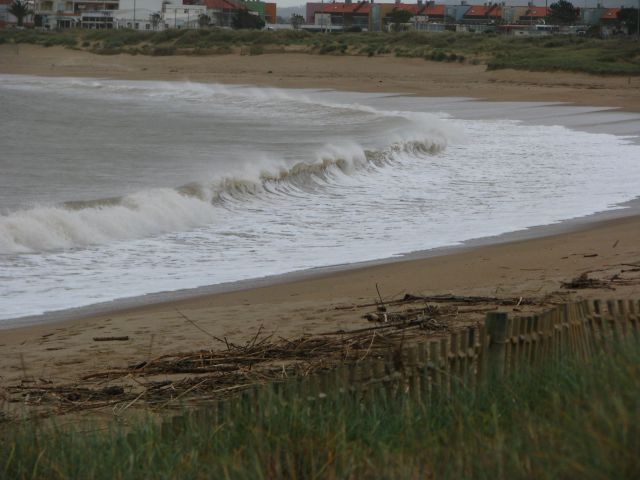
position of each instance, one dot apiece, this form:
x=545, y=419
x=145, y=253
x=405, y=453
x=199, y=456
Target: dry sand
x=291, y=70
x=534, y=268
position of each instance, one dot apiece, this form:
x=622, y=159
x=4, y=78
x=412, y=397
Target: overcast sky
x=577, y=3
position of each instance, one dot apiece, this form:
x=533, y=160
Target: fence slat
x=499, y=347
x=516, y=342
x=496, y=323
x=482, y=354
x=434, y=364
x=634, y=317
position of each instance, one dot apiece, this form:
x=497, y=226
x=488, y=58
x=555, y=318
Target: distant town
x=348, y=16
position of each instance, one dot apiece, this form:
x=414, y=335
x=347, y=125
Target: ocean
x=116, y=189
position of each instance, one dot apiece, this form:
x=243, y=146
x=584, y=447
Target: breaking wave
x=164, y=210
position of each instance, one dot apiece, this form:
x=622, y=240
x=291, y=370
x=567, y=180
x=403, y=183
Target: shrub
x=163, y=51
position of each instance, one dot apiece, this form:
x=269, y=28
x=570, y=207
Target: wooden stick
x=111, y=339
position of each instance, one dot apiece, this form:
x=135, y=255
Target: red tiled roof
x=433, y=10
x=610, y=14
x=362, y=7
x=537, y=12
x=483, y=11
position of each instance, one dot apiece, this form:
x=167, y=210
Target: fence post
x=496, y=323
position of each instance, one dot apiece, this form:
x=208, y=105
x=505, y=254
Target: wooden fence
x=433, y=369
x=501, y=346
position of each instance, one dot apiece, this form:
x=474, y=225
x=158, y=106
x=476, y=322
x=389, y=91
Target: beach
x=530, y=265
x=348, y=73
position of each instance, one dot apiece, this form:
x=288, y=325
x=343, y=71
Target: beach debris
x=381, y=307
x=111, y=339
x=113, y=390
x=173, y=380
x=446, y=298
x=584, y=255
x=583, y=281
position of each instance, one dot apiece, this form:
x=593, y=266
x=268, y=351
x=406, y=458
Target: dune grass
x=617, y=56
x=565, y=421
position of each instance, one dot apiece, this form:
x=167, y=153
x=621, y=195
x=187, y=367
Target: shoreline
x=528, y=263
x=534, y=269
x=626, y=210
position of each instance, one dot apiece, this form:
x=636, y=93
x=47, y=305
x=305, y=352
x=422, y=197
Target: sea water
x=115, y=189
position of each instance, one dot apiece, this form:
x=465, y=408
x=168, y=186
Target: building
x=52, y=14
x=610, y=16
x=348, y=14
x=266, y=11
x=489, y=13
x=534, y=15
x=5, y=17
x=310, y=12
x=183, y=16
x=222, y=12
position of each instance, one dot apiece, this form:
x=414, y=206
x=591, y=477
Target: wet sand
x=293, y=305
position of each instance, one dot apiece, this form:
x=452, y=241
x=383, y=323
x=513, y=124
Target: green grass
x=618, y=56
x=569, y=420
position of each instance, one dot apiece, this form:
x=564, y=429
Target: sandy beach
x=533, y=268
x=350, y=73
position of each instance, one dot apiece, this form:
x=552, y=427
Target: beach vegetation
x=245, y=19
x=20, y=9
x=399, y=17
x=629, y=18
x=155, y=18
x=614, y=56
x=573, y=418
x=563, y=13
x=296, y=20
x=203, y=20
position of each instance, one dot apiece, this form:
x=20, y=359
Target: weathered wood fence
x=501, y=346
x=421, y=370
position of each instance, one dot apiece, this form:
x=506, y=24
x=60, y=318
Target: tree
x=203, y=20
x=155, y=19
x=245, y=19
x=399, y=17
x=296, y=21
x=563, y=12
x=629, y=18
x=19, y=9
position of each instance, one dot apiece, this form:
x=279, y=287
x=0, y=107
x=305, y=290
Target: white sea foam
x=158, y=211
x=162, y=186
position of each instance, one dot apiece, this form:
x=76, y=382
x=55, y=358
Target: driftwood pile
x=189, y=378
x=610, y=278
x=584, y=281
x=195, y=377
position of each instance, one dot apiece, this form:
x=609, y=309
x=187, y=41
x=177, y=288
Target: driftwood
x=444, y=298
x=191, y=377
x=583, y=281
x=111, y=339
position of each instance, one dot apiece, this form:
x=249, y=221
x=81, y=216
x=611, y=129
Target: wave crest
x=158, y=211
